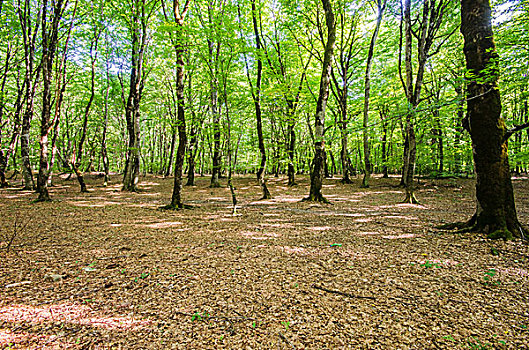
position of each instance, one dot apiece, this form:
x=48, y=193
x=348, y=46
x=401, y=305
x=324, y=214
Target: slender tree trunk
x=257, y=103
x=381, y=5
x=174, y=131
x=31, y=79
x=78, y=159
x=291, y=171
x=104, y=151
x=139, y=35
x=316, y=176
x=50, y=40
x=176, y=199
x=215, y=169
x=496, y=211
x=193, y=146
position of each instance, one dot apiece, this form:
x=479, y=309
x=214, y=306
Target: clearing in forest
x=107, y=269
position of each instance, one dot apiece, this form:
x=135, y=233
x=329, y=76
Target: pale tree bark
x=381, y=6
x=318, y=163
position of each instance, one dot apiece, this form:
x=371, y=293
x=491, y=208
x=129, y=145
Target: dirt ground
x=109, y=270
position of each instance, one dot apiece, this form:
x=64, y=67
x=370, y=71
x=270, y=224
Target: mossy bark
x=496, y=211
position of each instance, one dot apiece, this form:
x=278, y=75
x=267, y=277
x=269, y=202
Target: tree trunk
x=316, y=176
x=215, y=169
x=496, y=212
x=132, y=109
x=381, y=5
x=176, y=198
x=291, y=149
x=50, y=40
x=257, y=103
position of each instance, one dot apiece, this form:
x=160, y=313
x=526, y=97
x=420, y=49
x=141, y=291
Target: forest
x=264, y=174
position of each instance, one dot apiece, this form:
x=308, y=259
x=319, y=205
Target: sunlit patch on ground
x=409, y=235
x=293, y=250
x=260, y=235
x=69, y=313
x=512, y=271
x=157, y=225
x=320, y=228
x=440, y=262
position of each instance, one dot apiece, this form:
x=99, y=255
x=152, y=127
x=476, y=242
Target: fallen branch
x=342, y=293
x=285, y=339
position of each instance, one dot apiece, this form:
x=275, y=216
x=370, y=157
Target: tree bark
x=50, y=41
x=496, y=211
x=381, y=5
x=139, y=19
x=257, y=103
x=318, y=163
x=179, y=15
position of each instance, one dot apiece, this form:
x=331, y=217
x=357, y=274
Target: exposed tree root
x=410, y=199
x=316, y=198
x=180, y=206
x=493, y=231
x=346, y=180
x=266, y=192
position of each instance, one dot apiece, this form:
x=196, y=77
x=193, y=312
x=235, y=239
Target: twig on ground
x=342, y=293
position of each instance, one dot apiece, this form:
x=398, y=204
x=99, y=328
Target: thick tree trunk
x=215, y=169
x=318, y=163
x=496, y=212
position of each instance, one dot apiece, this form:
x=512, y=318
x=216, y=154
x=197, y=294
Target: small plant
x=474, y=343
x=449, y=337
x=487, y=278
x=429, y=264
x=142, y=276
x=198, y=317
x=286, y=324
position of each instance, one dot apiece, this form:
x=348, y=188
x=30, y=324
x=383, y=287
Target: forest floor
x=109, y=270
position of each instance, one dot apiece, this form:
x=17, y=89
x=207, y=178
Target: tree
x=50, y=42
x=381, y=6
x=178, y=13
x=496, y=212
x=140, y=13
x=429, y=23
x=256, y=95
x=316, y=176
